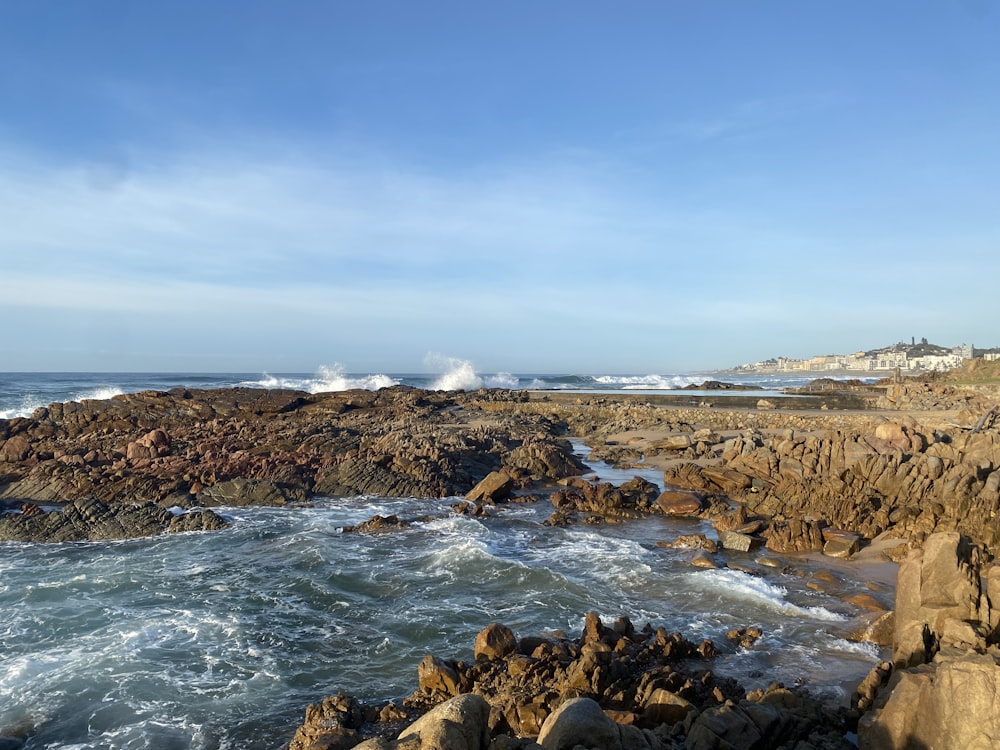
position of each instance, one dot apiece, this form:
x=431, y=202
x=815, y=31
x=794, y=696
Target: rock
x=378, y=523
x=90, y=519
x=691, y=541
x=153, y=444
x=677, y=503
x=331, y=724
x=16, y=448
x=438, y=676
x=461, y=723
x=675, y=443
x=495, y=642
x=242, y=492
x=950, y=703
x=744, y=637
x=934, y=585
x=842, y=545
x=746, y=726
x=581, y=722
x=735, y=541
x=496, y=486
x=702, y=559
x=665, y=707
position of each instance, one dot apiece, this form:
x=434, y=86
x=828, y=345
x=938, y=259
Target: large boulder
x=582, y=723
x=950, y=703
x=945, y=688
x=461, y=723
x=937, y=585
x=495, y=641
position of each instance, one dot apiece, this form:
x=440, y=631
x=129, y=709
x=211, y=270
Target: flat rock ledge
x=92, y=520
x=246, y=446
x=613, y=688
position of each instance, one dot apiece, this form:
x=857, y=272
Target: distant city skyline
x=557, y=187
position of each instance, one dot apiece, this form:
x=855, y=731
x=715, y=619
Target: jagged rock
x=242, y=492
x=496, y=486
x=438, y=676
x=90, y=519
x=842, y=544
x=495, y=642
x=950, y=703
x=245, y=445
x=934, y=585
x=735, y=541
x=691, y=541
x=378, y=523
x=331, y=724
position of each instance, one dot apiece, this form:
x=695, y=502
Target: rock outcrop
x=896, y=479
x=613, y=688
x=245, y=446
x=945, y=688
x=89, y=519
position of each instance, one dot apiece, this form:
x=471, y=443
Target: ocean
x=220, y=640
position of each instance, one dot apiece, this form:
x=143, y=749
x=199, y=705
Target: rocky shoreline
x=915, y=473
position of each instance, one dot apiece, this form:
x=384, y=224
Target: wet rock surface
x=244, y=446
x=89, y=519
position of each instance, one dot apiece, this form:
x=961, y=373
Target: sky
x=564, y=186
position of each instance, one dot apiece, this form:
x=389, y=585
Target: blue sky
x=531, y=186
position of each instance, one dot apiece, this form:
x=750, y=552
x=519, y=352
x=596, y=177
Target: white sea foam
x=326, y=379
x=756, y=590
x=460, y=375
x=647, y=382
x=101, y=393
x=456, y=375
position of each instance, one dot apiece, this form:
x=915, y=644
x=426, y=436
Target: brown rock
x=677, y=503
x=438, y=676
x=496, y=486
x=495, y=641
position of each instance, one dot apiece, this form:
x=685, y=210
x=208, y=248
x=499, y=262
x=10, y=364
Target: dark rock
x=379, y=523
x=243, y=492
x=90, y=519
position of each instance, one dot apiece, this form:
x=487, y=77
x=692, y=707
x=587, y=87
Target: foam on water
x=221, y=640
x=326, y=379
x=32, y=401
x=756, y=590
x=648, y=382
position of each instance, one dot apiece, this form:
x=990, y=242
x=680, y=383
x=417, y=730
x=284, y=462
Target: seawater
x=220, y=640
x=23, y=392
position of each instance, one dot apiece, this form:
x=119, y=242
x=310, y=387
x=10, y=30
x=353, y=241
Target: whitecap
x=647, y=382
x=458, y=375
x=734, y=584
x=327, y=379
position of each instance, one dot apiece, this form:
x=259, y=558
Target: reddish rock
x=678, y=503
